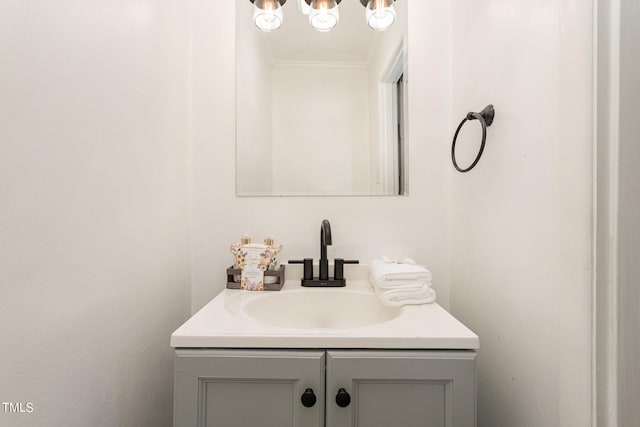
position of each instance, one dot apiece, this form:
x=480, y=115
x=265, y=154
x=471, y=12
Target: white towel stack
x=401, y=282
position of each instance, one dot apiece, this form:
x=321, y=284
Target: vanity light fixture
x=323, y=14
x=267, y=14
x=380, y=14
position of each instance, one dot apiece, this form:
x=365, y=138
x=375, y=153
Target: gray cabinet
x=378, y=388
x=247, y=388
x=402, y=388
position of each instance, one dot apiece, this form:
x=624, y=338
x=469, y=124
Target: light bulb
x=324, y=14
x=267, y=14
x=380, y=14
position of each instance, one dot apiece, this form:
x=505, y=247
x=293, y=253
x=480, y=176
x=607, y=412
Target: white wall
x=254, y=101
x=94, y=269
x=320, y=128
x=521, y=220
x=362, y=227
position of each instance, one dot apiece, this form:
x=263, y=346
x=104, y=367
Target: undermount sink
x=312, y=308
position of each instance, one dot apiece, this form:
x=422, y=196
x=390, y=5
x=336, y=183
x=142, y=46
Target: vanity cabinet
x=364, y=388
x=247, y=388
x=425, y=388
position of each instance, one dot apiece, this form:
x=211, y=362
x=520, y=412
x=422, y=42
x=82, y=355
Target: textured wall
x=521, y=220
x=94, y=270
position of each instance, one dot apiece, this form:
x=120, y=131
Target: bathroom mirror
x=321, y=113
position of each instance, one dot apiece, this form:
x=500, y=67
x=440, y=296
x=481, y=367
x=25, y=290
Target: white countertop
x=427, y=326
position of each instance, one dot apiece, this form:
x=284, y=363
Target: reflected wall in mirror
x=321, y=113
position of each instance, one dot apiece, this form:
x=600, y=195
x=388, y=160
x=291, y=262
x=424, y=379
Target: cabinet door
x=401, y=388
x=248, y=388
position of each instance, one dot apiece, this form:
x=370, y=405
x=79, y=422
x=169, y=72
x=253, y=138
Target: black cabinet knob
x=342, y=398
x=308, y=398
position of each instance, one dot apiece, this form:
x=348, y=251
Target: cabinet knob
x=308, y=398
x=342, y=398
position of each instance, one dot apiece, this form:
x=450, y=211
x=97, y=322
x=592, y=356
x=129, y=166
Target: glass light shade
x=324, y=14
x=380, y=14
x=267, y=14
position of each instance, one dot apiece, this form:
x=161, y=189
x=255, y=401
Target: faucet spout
x=325, y=240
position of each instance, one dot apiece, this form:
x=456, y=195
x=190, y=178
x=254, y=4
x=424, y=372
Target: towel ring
x=486, y=119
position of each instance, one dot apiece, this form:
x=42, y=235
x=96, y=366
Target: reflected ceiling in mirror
x=320, y=113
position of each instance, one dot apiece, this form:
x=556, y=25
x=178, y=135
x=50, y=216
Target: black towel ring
x=486, y=119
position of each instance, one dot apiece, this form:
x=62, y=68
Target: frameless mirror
x=321, y=113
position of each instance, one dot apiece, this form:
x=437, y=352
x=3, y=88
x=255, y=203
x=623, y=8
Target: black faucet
x=325, y=240
x=323, y=279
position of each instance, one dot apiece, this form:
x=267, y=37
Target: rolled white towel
x=396, y=298
x=389, y=274
x=399, y=284
x=421, y=292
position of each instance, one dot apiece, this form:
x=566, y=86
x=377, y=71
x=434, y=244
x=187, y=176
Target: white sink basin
x=296, y=317
x=312, y=308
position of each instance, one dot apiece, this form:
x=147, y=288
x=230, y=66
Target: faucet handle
x=308, y=267
x=338, y=267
